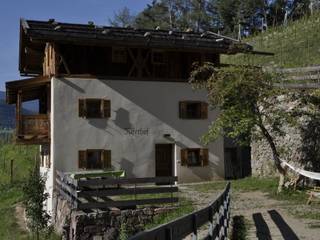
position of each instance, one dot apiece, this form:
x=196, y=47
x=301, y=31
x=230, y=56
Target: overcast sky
x=74, y=11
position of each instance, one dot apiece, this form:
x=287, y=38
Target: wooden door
x=164, y=160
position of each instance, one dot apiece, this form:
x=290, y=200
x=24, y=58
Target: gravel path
x=266, y=218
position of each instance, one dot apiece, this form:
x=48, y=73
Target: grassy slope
x=10, y=193
x=296, y=45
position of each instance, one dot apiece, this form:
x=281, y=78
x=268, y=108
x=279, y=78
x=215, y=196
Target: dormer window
x=94, y=108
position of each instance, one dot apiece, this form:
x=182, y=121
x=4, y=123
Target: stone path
x=266, y=218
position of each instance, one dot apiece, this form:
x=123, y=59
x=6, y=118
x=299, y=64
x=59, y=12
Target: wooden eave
x=31, y=89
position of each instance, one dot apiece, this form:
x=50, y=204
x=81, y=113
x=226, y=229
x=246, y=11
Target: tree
x=34, y=198
x=156, y=14
x=123, y=18
x=245, y=97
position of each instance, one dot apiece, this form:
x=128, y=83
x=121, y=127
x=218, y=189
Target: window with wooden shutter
x=204, y=110
x=106, y=159
x=95, y=159
x=204, y=156
x=82, y=159
x=184, y=157
x=194, y=157
x=106, y=108
x=183, y=109
x=193, y=110
x=82, y=107
x=94, y=108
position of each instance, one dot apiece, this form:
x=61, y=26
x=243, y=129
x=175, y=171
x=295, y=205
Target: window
x=119, y=55
x=158, y=58
x=194, y=157
x=94, y=108
x=94, y=159
x=193, y=110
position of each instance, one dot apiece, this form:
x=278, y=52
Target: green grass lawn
x=269, y=185
x=11, y=192
x=185, y=207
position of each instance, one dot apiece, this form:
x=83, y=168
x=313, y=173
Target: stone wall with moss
x=112, y=224
x=298, y=144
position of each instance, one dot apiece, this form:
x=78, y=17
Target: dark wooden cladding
x=217, y=214
x=98, y=61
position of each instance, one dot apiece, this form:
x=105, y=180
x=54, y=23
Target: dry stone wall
x=102, y=225
x=298, y=145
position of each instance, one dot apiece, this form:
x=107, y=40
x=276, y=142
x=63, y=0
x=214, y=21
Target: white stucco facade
x=150, y=109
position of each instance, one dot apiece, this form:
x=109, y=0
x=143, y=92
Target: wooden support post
x=169, y=234
x=18, y=113
x=194, y=226
x=50, y=61
x=11, y=171
x=211, y=226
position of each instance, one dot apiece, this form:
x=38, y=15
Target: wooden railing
x=217, y=215
x=305, y=77
x=35, y=124
x=97, y=193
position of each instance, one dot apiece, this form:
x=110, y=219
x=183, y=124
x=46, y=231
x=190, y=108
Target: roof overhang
x=35, y=34
x=30, y=88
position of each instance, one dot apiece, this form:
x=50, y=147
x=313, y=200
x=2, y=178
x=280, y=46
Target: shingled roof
x=94, y=34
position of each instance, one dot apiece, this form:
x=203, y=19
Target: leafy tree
x=122, y=18
x=156, y=14
x=34, y=198
x=245, y=97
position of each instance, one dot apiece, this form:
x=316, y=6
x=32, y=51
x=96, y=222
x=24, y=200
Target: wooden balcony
x=33, y=129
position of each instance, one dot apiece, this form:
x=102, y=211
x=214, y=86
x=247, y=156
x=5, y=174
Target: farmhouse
x=119, y=99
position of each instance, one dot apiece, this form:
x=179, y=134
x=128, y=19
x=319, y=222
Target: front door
x=164, y=160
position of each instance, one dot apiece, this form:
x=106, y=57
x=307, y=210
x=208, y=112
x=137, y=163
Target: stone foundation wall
x=102, y=225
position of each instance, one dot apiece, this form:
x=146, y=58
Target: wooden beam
x=125, y=203
x=127, y=191
x=99, y=182
x=18, y=113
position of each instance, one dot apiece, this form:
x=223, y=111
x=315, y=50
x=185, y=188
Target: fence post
x=194, y=226
x=11, y=171
x=169, y=234
x=211, y=223
x=225, y=216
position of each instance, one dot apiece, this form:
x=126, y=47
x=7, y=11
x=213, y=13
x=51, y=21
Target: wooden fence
x=299, y=78
x=95, y=193
x=217, y=215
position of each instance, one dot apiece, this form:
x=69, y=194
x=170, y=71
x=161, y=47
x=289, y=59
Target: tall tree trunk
x=275, y=155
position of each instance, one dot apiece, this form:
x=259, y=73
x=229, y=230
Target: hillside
x=296, y=45
x=7, y=112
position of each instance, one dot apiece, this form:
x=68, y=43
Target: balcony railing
x=34, y=128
